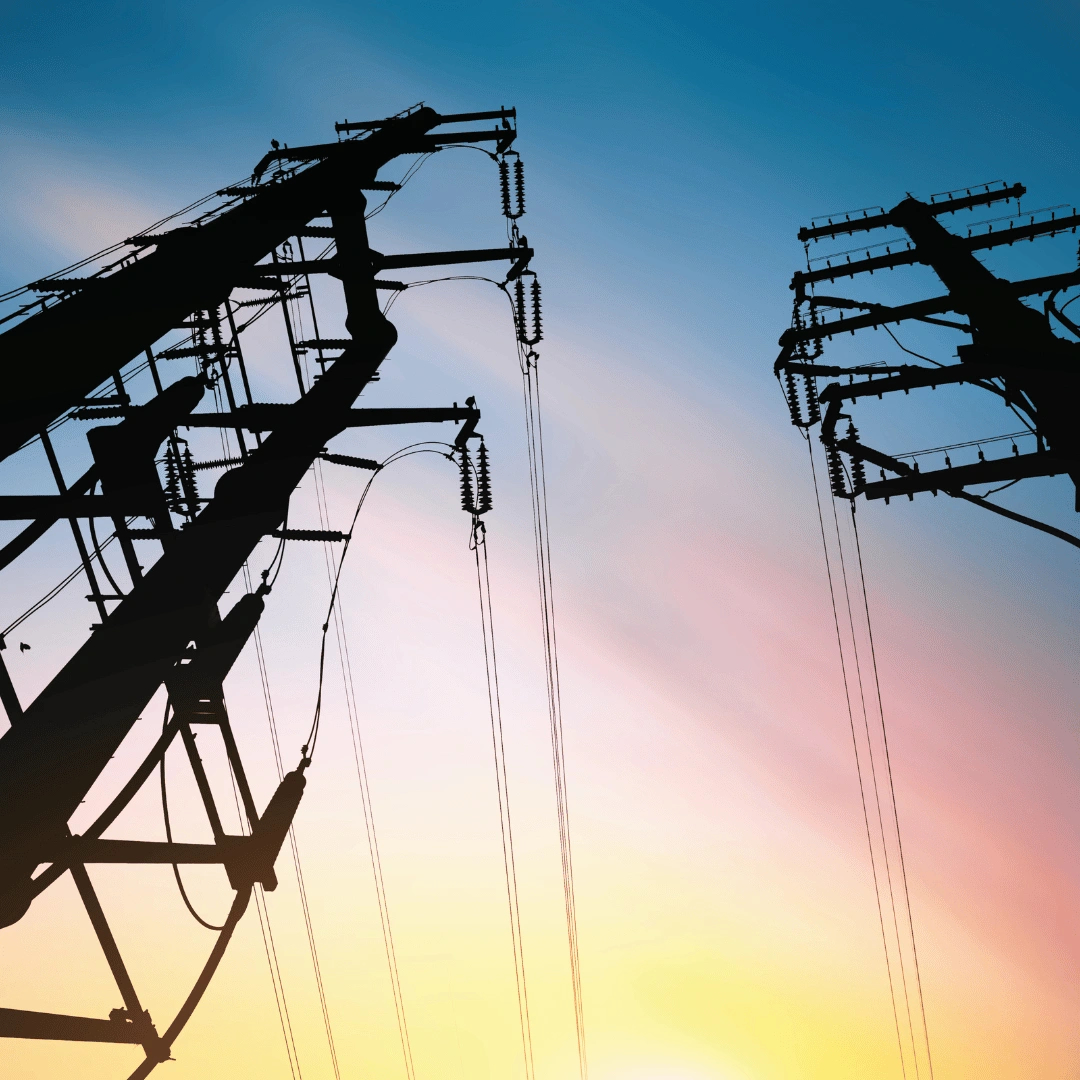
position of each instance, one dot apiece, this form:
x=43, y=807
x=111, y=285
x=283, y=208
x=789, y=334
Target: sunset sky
x=727, y=917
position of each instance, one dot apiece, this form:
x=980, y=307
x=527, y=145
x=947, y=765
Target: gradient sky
x=726, y=906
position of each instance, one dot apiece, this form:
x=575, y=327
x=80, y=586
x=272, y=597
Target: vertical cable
x=858, y=761
x=538, y=494
x=876, y=790
x=892, y=791
x=478, y=542
x=294, y=848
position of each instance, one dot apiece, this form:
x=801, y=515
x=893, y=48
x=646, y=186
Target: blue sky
x=672, y=153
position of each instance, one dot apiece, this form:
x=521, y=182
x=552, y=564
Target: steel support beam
x=69, y=733
x=80, y=342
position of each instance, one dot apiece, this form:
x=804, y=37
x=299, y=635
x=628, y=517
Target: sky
x=726, y=896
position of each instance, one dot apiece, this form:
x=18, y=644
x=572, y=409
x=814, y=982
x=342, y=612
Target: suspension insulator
x=836, y=471
x=174, y=498
x=521, y=315
x=813, y=409
x=468, y=503
x=519, y=186
x=819, y=348
x=504, y=187
x=858, y=474
x=537, y=323
x=858, y=471
x=519, y=310
x=792, y=395
x=187, y=478
x=483, y=481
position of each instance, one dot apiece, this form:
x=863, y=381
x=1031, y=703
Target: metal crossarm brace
x=81, y=341
x=268, y=417
x=69, y=733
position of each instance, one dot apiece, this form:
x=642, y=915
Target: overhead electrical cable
x=308, y=749
x=892, y=788
x=528, y=360
x=53, y=593
x=367, y=808
x=260, y=895
x=534, y=433
x=309, y=930
x=269, y=948
x=876, y=788
x=478, y=543
x=858, y=757
x=888, y=867
x=169, y=835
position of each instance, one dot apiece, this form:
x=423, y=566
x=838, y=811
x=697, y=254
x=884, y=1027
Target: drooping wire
x=478, y=543
x=308, y=747
x=334, y=615
x=101, y=558
x=168, y=833
x=54, y=592
x=367, y=807
x=528, y=363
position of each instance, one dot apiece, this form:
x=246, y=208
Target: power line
x=875, y=786
x=349, y=686
x=333, y=614
x=295, y=851
x=858, y=757
x=541, y=537
x=260, y=897
x=892, y=788
x=478, y=543
x=885, y=805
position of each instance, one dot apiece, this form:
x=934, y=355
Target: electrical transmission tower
x=1013, y=351
x=82, y=348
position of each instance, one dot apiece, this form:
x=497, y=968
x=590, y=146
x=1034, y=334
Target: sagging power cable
x=528, y=333
x=367, y=807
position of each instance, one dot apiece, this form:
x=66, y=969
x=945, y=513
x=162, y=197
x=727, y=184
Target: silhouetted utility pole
x=78, y=333
x=1013, y=351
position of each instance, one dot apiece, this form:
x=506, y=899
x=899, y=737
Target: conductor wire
x=295, y=851
x=892, y=790
x=541, y=536
x=876, y=788
x=858, y=756
x=478, y=543
x=367, y=807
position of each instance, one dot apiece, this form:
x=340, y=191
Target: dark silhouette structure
x=73, y=334
x=1013, y=353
